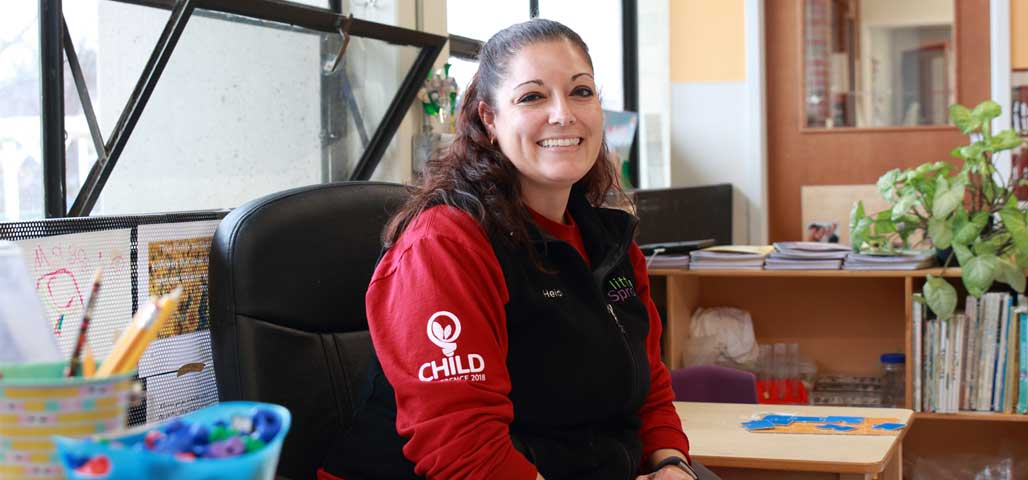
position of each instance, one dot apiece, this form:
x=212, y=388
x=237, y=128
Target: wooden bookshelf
x=843, y=320
x=949, y=272
x=973, y=416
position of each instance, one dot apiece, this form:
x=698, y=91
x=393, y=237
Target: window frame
x=55, y=46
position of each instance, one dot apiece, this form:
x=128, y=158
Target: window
x=246, y=98
x=30, y=188
x=602, y=33
x=20, y=175
x=472, y=19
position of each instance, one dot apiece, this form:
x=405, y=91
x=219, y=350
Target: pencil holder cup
x=170, y=449
x=37, y=402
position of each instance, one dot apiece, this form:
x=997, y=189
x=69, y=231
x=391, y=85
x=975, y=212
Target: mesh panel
x=142, y=257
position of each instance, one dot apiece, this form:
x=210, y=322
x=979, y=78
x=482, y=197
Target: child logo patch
x=443, y=330
x=444, y=334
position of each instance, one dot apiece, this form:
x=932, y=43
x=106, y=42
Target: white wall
x=718, y=121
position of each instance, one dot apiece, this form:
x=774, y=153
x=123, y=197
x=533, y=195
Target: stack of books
x=667, y=261
x=807, y=256
x=976, y=361
x=730, y=257
x=888, y=261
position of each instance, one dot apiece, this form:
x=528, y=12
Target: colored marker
x=75, y=365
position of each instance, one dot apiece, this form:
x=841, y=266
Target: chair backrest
x=288, y=275
x=714, y=383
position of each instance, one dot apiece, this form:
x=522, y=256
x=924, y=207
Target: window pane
x=601, y=30
x=21, y=178
x=868, y=64
x=244, y=109
x=462, y=70
x=473, y=19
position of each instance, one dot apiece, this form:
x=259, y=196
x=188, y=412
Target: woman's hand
x=669, y=472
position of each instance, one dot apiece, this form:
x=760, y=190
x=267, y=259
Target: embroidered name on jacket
x=621, y=289
x=443, y=330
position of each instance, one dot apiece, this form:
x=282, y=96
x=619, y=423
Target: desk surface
x=717, y=439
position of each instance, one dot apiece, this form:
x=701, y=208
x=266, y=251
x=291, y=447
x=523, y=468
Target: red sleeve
x=436, y=314
x=661, y=427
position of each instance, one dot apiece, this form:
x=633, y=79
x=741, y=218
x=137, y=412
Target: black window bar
x=464, y=47
x=53, y=35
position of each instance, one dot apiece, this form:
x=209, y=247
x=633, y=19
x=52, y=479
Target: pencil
x=75, y=364
x=142, y=330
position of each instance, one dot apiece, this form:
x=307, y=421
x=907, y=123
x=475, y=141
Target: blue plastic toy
x=231, y=441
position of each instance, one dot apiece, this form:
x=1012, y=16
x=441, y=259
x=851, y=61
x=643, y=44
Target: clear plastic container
x=894, y=380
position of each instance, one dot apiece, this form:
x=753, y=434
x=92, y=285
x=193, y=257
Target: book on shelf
x=900, y=261
x=917, y=313
x=975, y=361
x=730, y=257
x=1022, y=361
x=773, y=263
x=667, y=261
x=806, y=256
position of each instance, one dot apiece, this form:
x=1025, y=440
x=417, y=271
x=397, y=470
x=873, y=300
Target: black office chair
x=288, y=275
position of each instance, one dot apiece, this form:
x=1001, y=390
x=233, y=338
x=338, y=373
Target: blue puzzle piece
x=888, y=426
x=842, y=419
x=758, y=425
x=809, y=419
x=840, y=428
x=779, y=419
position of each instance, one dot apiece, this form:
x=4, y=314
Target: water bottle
x=894, y=380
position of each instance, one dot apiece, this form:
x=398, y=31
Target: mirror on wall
x=878, y=63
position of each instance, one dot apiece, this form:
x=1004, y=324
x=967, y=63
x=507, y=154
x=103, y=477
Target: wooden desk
x=717, y=439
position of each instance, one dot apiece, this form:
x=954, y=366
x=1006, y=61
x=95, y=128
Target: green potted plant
x=968, y=213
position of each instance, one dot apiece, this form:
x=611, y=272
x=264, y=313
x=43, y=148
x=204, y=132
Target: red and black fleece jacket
x=498, y=369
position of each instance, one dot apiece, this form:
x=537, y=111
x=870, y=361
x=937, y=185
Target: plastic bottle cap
x=893, y=358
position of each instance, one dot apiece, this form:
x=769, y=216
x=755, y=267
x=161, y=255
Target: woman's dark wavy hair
x=473, y=175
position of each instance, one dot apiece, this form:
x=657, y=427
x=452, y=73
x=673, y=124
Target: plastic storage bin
x=128, y=460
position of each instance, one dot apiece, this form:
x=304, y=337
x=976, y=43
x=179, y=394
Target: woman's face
x=547, y=118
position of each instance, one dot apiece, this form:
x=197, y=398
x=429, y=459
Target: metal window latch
x=344, y=32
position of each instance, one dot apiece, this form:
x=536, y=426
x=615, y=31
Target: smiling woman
x=515, y=336
x=548, y=121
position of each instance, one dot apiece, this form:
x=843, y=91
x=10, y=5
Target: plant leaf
x=940, y=296
x=982, y=247
x=961, y=117
x=1005, y=140
x=1021, y=244
x=964, y=255
x=903, y=205
x=887, y=183
x=940, y=231
x=1012, y=219
x=947, y=197
x=974, y=150
x=1010, y=274
x=978, y=273
x=968, y=232
x=986, y=111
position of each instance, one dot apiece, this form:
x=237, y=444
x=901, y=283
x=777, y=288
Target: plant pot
x=941, y=254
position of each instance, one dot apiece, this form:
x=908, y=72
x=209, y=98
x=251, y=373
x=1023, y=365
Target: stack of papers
x=730, y=257
x=884, y=261
x=807, y=256
x=667, y=261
